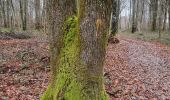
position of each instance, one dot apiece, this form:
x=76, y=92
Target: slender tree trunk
x=140, y=11
x=37, y=14
x=130, y=14
x=161, y=7
x=4, y=13
x=1, y=13
x=8, y=13
x=165, y=15
x=77, y=49
x=115, y=19
x=134, y=26
x=137, y=14
x=44, y=16
x=154, y=7
x=13, y=16
x=23, y=13
x=169, y=13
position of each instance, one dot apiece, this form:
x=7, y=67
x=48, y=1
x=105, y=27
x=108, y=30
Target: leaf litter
x=134, y=69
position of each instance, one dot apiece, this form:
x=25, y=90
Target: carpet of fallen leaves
x=134, y=70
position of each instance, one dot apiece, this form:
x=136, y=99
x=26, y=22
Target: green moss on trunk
x=70, y=82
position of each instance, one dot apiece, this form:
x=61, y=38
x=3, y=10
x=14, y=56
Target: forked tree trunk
x=77, y=49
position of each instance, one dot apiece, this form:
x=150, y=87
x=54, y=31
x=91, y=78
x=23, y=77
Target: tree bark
x=37, y=14
x=169, y=13
x=165, y=6
x=115, y=17
x=94, y=19
x=134, y=24
x=1, y=17
x=154, y=7
x=23, y=13
x=77, y=49
x=4, y=13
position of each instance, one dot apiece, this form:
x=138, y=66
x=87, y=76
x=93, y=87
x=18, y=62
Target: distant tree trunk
x=8, y=12
x=137, y=14
x=160, y=15
x=154, y=8
x=115, y=18
x=130, y=14
x=23, y=13
x=4, y=13
x=140, y=11
x=169, y=13
x=37, y=14
x=165, y=14
x=43, y=18
x=77, y=49
x=134, y=24
x=13, y=16
x=1, y=15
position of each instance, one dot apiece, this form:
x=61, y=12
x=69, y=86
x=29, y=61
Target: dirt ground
x=134, y=69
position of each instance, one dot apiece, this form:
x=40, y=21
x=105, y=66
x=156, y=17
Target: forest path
x=141, y=69
x=137, y=70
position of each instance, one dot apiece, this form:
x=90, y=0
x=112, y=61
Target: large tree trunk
x=94, y=19
x=77, y=49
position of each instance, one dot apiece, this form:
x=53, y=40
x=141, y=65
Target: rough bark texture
x=77, y=57
x=115, y=17
x=94, y=20
x=64, y=45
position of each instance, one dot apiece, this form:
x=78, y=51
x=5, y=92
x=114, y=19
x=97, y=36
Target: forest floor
x=134, y=69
